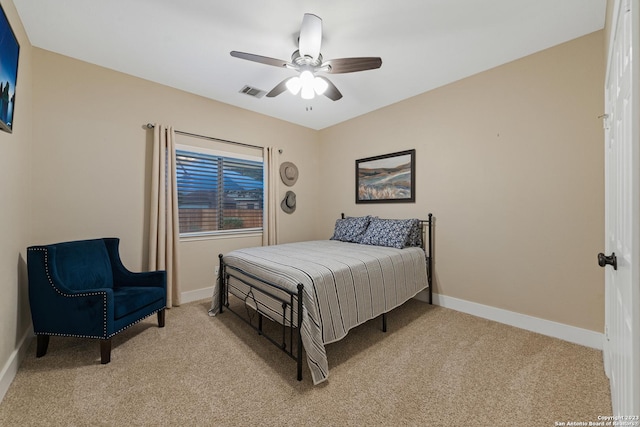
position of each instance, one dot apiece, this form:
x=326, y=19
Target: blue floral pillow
x=415, y=235
x=389, y=232
x=351, y=229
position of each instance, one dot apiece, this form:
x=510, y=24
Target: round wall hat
x=288, y=204
x=288, y=173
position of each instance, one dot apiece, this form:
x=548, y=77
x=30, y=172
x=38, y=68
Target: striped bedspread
x=345, y=284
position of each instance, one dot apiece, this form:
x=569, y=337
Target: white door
x=622, y=214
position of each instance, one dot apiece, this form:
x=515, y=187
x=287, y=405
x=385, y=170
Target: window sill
x=218, y=235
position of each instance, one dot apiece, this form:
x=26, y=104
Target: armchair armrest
x=59, y=310
x=84, y=314
x=145, y=278
x=123, y=277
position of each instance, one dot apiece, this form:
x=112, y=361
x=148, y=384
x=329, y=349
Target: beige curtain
x=272, y=204
x=164, y=237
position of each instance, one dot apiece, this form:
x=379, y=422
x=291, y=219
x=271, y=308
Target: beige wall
x=15, y=180
x=510, y=161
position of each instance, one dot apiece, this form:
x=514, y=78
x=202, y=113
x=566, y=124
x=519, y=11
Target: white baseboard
x=10, y=369
x=198, y=294
x=564, y=332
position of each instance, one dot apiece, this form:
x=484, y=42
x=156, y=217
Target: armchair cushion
x=129, y=299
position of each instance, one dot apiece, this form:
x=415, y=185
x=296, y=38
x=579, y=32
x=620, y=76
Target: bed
x=318, y=290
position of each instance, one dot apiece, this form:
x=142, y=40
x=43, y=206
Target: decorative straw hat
x=288, y=204
x=288, y=173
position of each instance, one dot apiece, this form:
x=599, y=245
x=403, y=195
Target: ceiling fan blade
x=280, y=87
x=261, y=59
x=332, y=91
x=350, y=65
x=310, y=36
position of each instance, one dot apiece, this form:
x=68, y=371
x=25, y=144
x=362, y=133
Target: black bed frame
x=294, y=299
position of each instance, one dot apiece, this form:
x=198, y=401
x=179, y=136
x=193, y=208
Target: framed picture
x=390, y=178
x=9, y=51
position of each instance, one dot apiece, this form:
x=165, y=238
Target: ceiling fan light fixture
x=294, y=85
x=307, y=92
x=320, y=85
x=305, y=84
x=306, y=78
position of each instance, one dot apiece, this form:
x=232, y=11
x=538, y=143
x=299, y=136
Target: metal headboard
x=427, y=246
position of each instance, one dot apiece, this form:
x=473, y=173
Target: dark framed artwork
x=9, y=52
x=390, y=178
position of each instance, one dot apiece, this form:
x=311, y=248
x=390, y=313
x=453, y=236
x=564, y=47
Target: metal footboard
x=287, y=299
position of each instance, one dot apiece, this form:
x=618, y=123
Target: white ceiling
x=423, y=44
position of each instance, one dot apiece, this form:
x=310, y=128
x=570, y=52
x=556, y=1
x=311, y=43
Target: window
x=218, y=191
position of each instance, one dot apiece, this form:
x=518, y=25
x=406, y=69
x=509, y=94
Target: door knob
x=603, y=260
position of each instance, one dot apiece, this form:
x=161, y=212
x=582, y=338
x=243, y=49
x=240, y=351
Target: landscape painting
x=389, y=178
x=9, y=51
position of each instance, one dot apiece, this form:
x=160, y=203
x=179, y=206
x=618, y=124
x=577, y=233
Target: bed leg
x=430, y=259
x=299, y=359
x=221, y=287
x=384, y=322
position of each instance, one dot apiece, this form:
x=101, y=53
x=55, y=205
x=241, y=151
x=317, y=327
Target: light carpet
x=434, y=367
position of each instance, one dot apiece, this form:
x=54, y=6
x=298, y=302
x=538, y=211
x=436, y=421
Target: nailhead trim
x=84, y=294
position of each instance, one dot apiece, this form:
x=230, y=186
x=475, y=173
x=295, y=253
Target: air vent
x=252, y=91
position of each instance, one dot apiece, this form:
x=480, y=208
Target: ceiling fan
x=308, y=61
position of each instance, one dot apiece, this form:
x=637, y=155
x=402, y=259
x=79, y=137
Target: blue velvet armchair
x=82, y=289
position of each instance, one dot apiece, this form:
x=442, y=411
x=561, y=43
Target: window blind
x=218, y=192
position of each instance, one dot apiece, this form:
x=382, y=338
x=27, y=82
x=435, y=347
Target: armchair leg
x=42, y=342
x=105, y=351
x=161, y=318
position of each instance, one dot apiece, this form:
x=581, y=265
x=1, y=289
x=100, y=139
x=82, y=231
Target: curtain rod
x=211, y=138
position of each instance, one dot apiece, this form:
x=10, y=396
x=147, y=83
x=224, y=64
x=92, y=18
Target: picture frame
x=9, y=54
x=389, y=178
